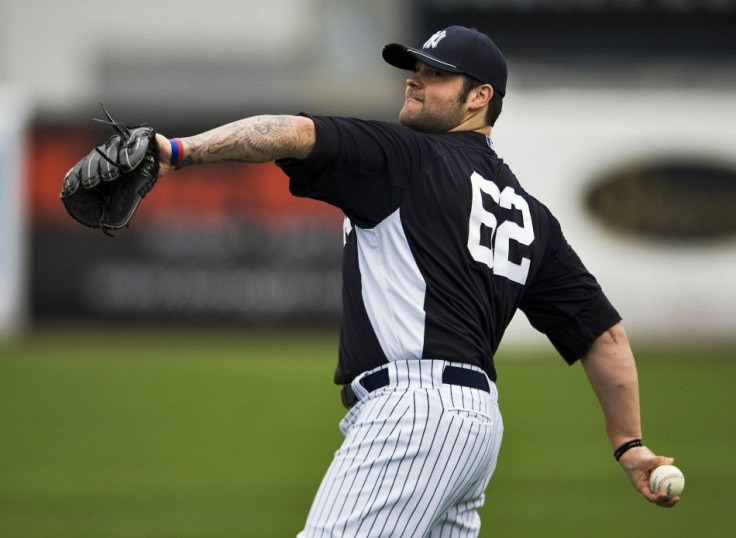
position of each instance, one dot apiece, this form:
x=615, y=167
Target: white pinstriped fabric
x=417, y=457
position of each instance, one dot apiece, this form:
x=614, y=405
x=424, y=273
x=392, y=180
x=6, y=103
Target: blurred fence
x=13, y=231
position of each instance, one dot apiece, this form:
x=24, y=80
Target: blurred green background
x=218, y=433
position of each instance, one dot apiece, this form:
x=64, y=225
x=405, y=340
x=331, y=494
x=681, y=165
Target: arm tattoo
x=254, y=140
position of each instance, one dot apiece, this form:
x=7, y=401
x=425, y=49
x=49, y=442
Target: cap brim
x=405, y=57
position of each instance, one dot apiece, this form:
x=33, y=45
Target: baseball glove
x=103, y=190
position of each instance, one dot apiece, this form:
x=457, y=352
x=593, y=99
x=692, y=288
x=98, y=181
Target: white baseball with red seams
x=667, y=478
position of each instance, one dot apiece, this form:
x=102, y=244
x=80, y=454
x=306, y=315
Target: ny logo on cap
x=433, y=41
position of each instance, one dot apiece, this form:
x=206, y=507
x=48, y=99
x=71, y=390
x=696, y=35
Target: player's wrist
x=625, y=447
x=177, y=153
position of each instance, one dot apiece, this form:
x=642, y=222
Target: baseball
x=667, y=478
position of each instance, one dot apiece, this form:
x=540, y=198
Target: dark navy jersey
x=442, y=246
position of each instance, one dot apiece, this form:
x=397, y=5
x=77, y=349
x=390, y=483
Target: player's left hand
x=104, y=189
x=638, y=463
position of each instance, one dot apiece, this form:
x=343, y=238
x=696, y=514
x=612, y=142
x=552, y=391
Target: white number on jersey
x=496, y=254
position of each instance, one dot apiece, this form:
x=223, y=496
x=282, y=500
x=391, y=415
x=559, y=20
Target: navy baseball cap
x=458, y=50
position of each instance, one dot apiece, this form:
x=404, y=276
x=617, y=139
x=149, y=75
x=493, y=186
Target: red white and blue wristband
x=177, y=153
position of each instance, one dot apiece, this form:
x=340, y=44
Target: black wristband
x=620, y=451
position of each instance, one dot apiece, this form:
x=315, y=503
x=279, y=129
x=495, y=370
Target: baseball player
x=442, y=246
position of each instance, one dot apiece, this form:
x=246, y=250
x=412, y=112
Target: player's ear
x=480, y=96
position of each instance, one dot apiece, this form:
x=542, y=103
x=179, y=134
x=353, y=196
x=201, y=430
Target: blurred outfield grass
x=130, y=433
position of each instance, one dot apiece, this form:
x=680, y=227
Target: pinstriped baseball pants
x=417, y=457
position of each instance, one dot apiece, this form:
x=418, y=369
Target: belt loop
x=376, y=380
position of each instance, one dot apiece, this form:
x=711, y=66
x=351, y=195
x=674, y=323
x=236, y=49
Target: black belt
x=452, y=375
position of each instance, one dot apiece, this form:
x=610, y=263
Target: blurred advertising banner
x=13, y=237
x=225, y=242
x=647, y=204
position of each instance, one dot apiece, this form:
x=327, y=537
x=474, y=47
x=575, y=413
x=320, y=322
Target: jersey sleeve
x=565, y=302
x=361, y=167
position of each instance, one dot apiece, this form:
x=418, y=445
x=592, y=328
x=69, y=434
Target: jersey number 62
x=496, y=254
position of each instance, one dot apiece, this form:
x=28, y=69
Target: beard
x=431, y=119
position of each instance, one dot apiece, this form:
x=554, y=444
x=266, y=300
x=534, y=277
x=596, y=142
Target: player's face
x=432, y=102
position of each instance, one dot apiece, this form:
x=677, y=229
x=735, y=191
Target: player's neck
x=474, y=123
x=484, y=130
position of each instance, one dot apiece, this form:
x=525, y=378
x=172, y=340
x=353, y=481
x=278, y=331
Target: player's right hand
x=638, y=463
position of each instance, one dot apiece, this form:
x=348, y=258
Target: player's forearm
x=253, y=140
x=611, y=370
